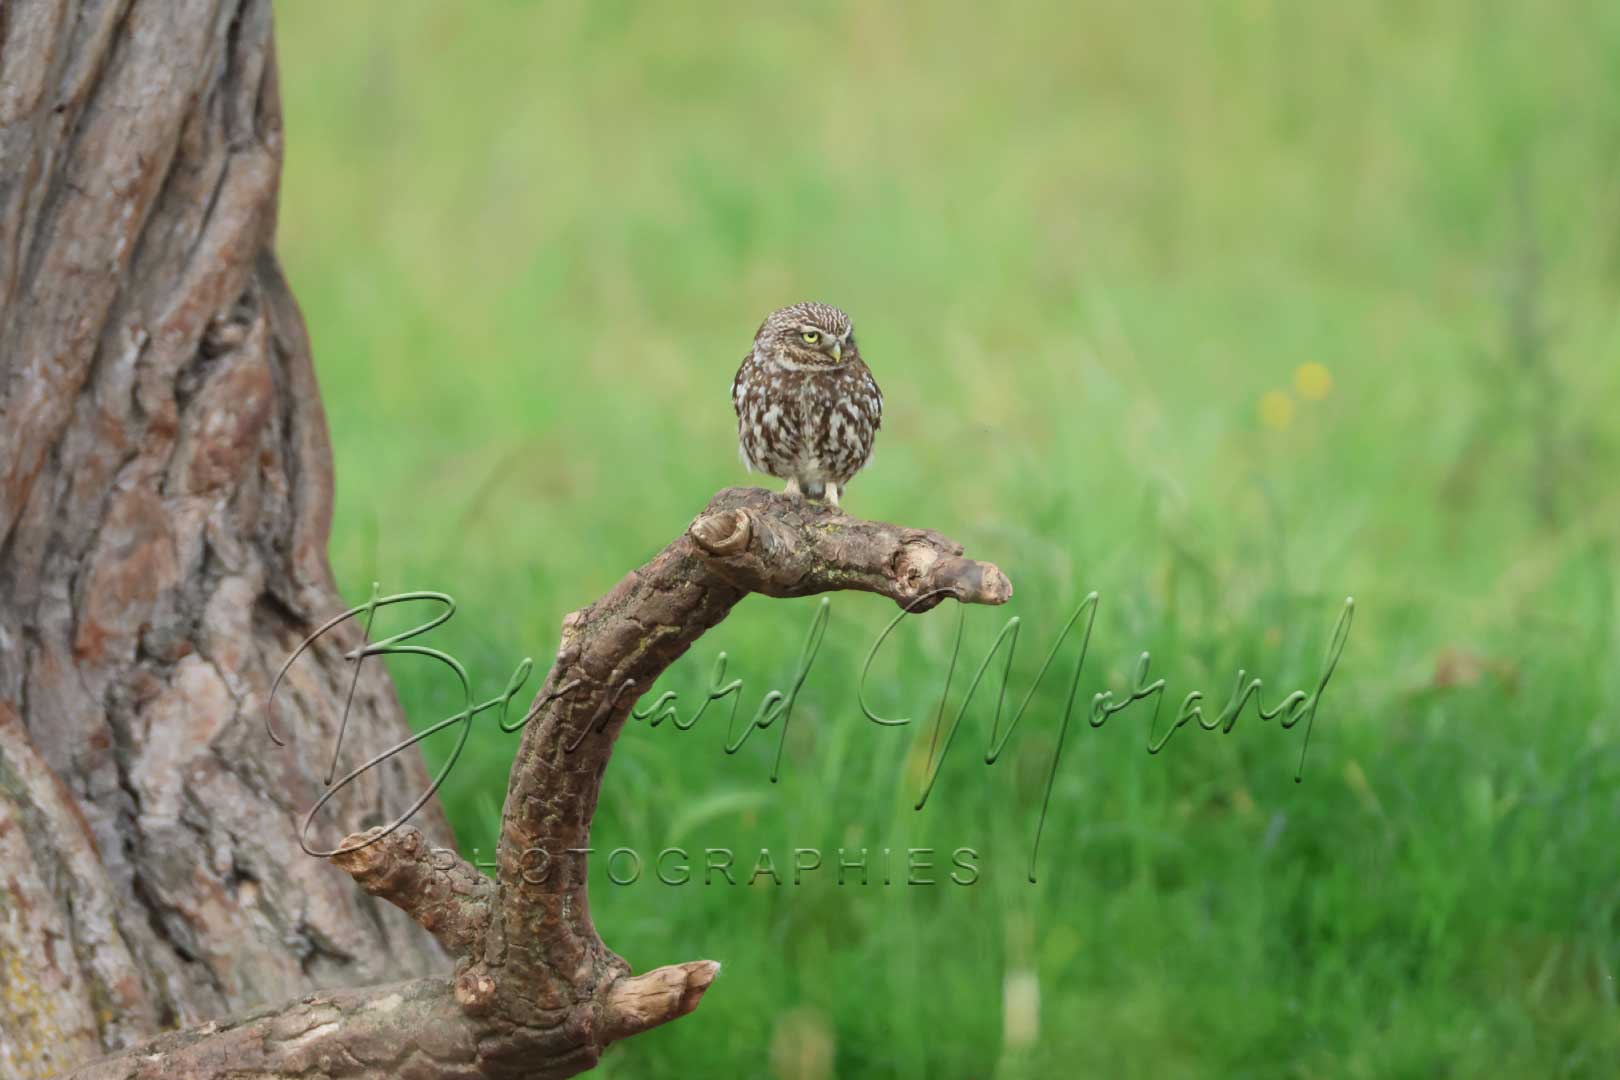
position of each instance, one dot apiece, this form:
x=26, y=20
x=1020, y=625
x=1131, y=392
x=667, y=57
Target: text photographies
x=777, y=705
x=674, y=865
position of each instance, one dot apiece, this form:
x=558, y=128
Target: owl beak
x=838, y=352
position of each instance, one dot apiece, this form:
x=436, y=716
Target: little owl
x=807, y=407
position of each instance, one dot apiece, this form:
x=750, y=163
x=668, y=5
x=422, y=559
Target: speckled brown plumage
x=807, y=405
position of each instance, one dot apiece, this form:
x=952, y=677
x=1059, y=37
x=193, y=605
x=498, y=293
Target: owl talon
x=832, y=495
x=792, y=490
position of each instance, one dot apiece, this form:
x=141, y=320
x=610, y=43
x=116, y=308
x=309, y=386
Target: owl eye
x=810, y=337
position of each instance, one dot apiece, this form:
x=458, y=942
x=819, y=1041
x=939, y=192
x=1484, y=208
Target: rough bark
x=535, y=992
x=165, y=494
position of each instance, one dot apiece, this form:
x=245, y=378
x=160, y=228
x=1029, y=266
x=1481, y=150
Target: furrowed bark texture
x=535, y=992
x=165, y=493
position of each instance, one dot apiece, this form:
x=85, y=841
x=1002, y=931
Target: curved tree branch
x=536, y=992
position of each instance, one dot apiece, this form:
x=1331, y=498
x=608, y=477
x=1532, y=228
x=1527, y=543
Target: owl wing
x=873, y=400
x=737, y=384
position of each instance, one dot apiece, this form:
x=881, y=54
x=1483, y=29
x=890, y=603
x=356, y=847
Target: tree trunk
x=165, y=495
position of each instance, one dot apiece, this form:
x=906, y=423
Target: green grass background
x=1088, y=248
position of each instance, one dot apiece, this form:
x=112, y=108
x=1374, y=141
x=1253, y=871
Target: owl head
x=808, y=334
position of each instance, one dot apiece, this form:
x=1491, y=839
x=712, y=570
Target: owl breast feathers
x=807, y=405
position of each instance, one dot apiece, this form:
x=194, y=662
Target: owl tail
x=815, y=489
